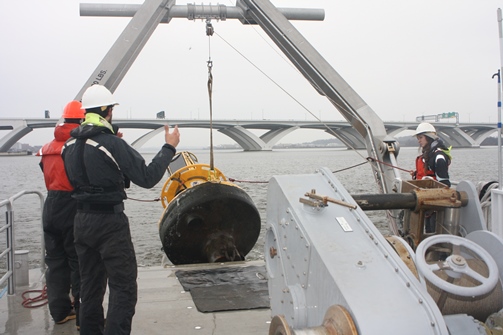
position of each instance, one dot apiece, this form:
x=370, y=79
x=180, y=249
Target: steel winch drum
x=210, y=222
x=478, y=307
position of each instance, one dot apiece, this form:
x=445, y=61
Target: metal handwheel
x=455, y=265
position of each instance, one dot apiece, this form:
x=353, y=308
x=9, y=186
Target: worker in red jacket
x=59, y=211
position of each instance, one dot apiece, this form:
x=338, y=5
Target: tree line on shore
x=405, y=141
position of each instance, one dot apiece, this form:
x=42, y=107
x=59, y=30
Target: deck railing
x=8, y=228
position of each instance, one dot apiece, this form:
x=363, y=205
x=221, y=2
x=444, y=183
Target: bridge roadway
x=458, y=135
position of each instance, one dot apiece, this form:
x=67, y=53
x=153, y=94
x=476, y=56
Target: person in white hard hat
x=435, y=157
x=432, y=163
x=98, y=165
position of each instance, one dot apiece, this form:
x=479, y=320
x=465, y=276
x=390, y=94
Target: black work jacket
x=438, y=161
x=97, y=164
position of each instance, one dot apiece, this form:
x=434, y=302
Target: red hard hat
x=73, y=110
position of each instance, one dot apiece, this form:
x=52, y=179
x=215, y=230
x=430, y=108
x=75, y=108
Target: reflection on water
x=251, y=170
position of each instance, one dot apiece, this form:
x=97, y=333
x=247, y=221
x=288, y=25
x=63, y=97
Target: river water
x=247, y=168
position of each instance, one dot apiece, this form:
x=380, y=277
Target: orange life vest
x=422, y=169
x=52, y=164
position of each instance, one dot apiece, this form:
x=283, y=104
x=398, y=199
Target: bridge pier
x=246, y=139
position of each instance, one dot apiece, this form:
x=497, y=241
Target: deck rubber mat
x=226, y=288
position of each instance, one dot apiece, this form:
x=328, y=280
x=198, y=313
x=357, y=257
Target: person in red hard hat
x=62, y=274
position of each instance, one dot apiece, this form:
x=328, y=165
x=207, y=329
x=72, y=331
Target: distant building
x=23, y=148
x=17, y=146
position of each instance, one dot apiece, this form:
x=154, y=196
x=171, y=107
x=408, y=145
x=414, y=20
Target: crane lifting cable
x=209, y=33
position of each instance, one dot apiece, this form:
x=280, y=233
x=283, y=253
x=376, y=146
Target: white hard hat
x=97, y=96
x=425, y=127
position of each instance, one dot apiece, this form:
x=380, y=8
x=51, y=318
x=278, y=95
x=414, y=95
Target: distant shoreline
x=16, y=153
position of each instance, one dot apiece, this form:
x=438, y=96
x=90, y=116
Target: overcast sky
x=403, y=58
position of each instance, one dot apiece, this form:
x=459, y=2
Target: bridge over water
x=458, y=135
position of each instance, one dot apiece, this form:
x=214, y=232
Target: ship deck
x=163, y=308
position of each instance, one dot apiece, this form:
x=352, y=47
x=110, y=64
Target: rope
x=350, y=167
x=247, y=181
x=38, y=301
x=140, y=200
x=341, y=108
x=275, y=83
x=387, y=164
x=484, y=189
x=265, y=182
x=329, y=130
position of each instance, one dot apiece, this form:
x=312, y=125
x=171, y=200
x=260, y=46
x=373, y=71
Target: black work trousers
x=105, y=250
x=60, y=255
